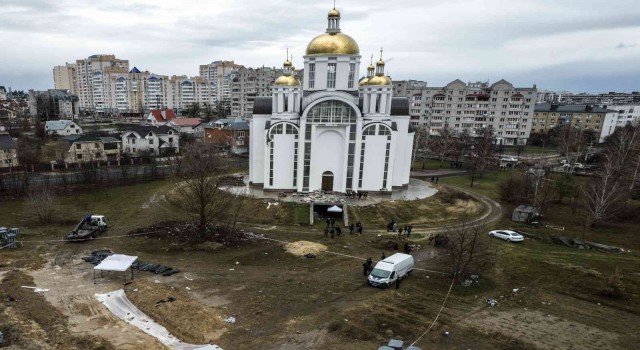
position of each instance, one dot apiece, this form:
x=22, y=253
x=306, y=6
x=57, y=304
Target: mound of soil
x=301, y=248
x=187, y=232
x=187, y=319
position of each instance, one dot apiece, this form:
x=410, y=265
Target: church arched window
x=332, y=112
x=283, y=129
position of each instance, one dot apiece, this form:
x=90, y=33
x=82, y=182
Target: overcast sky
x=576, y=45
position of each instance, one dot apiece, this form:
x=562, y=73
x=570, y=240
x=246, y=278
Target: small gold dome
x=334, y=13
x=371, y=67
x=380, y=63
x=287, y=80
x=379, y=80
x=363, y=81
x=287, y=63
x=333, y=44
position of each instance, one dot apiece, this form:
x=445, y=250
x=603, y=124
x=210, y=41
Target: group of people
x=391, y=227
x=356, y=194
x=335, y=230
x=435, y=179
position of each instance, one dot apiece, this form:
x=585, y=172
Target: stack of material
x=97, y=256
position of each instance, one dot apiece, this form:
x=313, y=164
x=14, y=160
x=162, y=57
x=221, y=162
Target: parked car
x=507, y=235
x=508, y=159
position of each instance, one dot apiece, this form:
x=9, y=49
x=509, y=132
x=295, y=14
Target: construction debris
x=230, y=320
x=36, y=289
x=580, y=244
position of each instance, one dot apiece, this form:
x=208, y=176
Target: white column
x=290, y=104
x=280, y=102
x=356, y=158
x=383, y=103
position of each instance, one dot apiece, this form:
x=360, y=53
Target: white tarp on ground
x=116, y=262
x=118, y=303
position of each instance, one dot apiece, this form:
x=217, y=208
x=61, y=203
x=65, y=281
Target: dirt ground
x=284, y=301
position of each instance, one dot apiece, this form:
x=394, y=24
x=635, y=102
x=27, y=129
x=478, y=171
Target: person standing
x=409, y=228
x=407, y=248
x=398, y=282
x=333, y=222
x=383, y=256
x=360, y=230
x=399, y=231
x=351, y=229
x=338, y=230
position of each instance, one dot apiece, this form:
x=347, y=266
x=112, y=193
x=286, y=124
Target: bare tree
x=605, y=192
x=40, y=204
x=482, y=155
x=572, y=143
x=443, y=143
x=423, y=145
x=198, y=192
x=469, y=250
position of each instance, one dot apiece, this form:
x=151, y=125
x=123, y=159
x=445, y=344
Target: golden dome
x=333, y=44
x=363, y=81
x=380, y=63
x=287, y=63
x=287, y=80
x=379, y=80
x=371, y=67
x=334, y=13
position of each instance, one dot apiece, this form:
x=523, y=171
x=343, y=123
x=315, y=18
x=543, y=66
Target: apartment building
x=610, y=98
x=627, y=114
x=548, y=116
x=64, y=77
x=53, y=104
x=247, y=84
x=218, y=73
x=89, y=79
x=505, y=109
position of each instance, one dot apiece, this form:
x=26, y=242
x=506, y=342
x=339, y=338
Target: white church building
x=333, y=132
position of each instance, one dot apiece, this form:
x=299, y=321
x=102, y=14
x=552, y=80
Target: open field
x=284, y=301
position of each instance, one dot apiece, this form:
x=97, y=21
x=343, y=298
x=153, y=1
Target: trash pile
x=317, y=196
x=97, y=256
x=492, y=302
x=473, y=279
x=581, y=244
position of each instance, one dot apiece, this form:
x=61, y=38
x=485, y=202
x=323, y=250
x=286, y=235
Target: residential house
x=159, y=117
x=7, y=115
x=84, y=148
x=186, y=125
x=112, y=148
x=62, y=127
x=8, y=151
x=3, y=93
x=142, y=140
x=230, y=133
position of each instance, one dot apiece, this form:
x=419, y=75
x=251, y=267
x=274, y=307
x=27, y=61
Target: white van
x=388, y=270
x=99, y=220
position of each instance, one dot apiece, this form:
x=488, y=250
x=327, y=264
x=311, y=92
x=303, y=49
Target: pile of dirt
x=187, y=319
x=301, y=248
x=186, y=232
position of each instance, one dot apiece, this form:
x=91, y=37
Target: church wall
x=328, y=154
x=373, y=170
x=282, y=161
x=257, y=149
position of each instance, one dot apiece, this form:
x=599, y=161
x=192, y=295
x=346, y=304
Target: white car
x=507, y=235
x=508, y=159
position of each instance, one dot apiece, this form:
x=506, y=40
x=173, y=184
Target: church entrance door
x=327, y=181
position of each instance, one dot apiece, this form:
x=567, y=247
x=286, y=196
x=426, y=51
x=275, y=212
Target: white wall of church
x=374, y=154
x=257, y=149
x=282, y=161
x=328, y=154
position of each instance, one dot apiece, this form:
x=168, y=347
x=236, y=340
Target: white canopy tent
x=334, y=209
x=115, y=262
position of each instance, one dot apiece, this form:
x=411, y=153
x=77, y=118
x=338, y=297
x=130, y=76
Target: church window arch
x=283, y=129
x=333, y=112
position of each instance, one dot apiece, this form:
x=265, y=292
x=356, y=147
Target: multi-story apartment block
x=505, y=109
x=610, y=98
x=64, y=77
x=247, y=84
x=218, y=73
x=627, y=114
x=89, y=79
x=548, y=116
x=546, y=96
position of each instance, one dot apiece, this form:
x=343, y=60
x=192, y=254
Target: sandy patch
x=543, y=331
x=301, y=248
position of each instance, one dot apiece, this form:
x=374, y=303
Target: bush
x=614, y=288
